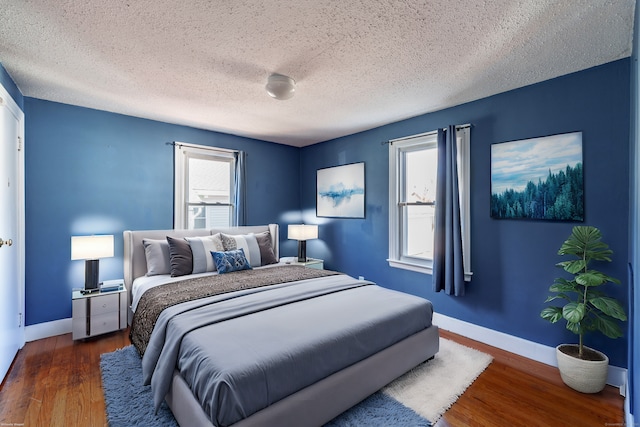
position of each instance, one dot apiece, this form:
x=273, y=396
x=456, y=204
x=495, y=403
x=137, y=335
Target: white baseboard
x=616, y=377
x=47, y=329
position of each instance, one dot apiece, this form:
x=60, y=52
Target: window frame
x=397, y=177
x=182, y=153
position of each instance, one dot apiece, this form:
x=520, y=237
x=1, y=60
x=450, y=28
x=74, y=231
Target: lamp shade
x=302, y=232
x=91, y=247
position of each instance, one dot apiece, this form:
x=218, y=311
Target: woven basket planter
x=585, y=376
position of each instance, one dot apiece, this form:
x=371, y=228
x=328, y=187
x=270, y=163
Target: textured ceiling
x=358, y=64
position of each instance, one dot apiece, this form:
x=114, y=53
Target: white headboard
x=135, y=262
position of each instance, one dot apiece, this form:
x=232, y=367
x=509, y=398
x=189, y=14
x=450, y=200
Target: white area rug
x=431, y=388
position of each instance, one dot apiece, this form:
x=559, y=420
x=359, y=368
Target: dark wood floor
x=56, y=382
x=516, y=391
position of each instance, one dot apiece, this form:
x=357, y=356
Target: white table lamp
x=302, y=233
x=91, y=249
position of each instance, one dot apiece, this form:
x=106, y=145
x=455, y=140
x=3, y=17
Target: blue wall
x=93, y=172
x=90, y=171
x=7, y=82
x=513, y=261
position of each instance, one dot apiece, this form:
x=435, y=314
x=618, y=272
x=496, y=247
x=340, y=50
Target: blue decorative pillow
x=229, y=261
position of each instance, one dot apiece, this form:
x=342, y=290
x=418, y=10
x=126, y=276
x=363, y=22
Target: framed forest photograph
x=538, y=178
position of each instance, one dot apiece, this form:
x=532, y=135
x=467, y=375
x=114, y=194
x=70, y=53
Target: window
x=204, y=187
x=413, y=165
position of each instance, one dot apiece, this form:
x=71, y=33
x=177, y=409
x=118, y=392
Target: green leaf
x=559, y=296
x=580, y=237
x=573, y=266
x=594, y=278
x=574, y=312
x=584, y=242
x=593, y=293
x=591, y=278
x=608, y=327
x=574, y=327
x=552, y=314
x=589, y=324
x=564, y=285
x=610, y=307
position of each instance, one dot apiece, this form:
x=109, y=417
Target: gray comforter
x=243, y=351
x=157, y=299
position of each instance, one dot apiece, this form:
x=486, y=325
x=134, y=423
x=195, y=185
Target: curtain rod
x=391, y=141
x=203, y=147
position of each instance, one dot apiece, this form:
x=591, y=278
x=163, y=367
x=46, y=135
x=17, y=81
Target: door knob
x=6, y=242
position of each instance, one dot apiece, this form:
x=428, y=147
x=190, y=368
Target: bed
x=270, y=345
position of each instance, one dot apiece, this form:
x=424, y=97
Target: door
x=11, y=231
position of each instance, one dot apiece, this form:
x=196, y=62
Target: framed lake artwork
x=538, y=178
x=340, y=191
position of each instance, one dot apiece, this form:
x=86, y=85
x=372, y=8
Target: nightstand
x=98, y=313
x=311, y=262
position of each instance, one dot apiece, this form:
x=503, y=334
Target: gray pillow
x=180, y=257
x=267, y=255
x=157, y=254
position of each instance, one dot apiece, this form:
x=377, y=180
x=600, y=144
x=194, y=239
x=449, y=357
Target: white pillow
x=201, y=247
x=248, y=243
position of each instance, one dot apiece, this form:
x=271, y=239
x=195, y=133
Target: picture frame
x=340, y=191
x=538, y=178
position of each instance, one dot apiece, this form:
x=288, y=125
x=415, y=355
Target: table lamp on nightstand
x=91, y=249
x=302, y=233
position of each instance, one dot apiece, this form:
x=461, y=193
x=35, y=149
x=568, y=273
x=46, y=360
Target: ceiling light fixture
x=280, y=87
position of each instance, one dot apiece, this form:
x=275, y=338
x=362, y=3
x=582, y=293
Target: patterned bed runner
x=157, y=299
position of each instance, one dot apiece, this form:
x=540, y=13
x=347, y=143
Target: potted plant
x=585, y=309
